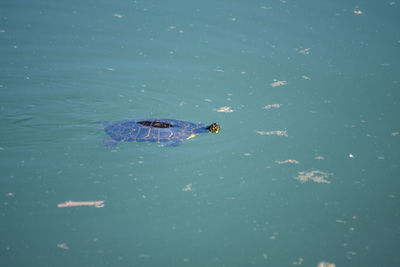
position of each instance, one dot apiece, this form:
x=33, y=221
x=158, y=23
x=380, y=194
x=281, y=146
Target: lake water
x=305, y=170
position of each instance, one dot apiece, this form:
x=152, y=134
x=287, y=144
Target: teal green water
x=305, y=169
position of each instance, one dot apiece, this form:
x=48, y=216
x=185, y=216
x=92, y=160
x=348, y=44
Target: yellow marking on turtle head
x=191, y=136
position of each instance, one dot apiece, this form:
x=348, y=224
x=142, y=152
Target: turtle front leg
x=174, y=143
x=110, y=143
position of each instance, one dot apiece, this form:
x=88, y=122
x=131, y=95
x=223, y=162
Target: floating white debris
x=272, y=106
x=110, y=69
x=319, y=158
x=188, y=187
x=274, y=235
x=351, y=156
x=63, y=246
x=351, y=254
x=118, y=16
x=314, y=175
x=265, y=256
x=97, y=204
x=278, y=83
x=340, y=221
x=278, y=133
x=292, y=161
x=395, y=133
x=225, y=110
x=218, y=69
x=305, y=77
x=299, y=261
x=305, y=51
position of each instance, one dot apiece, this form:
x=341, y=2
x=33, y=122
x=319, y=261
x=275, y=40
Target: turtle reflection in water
x=155, y=130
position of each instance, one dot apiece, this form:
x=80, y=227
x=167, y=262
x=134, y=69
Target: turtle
x=155, y=130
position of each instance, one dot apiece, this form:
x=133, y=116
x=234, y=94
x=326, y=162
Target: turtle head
x=214, y=128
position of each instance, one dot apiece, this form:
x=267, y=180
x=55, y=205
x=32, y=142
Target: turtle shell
x=152, y=130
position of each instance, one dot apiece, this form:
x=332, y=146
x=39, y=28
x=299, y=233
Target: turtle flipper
x=174, y=143
x=110, y=143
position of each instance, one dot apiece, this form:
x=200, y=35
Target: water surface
x=305, y=169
